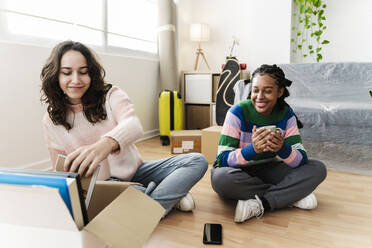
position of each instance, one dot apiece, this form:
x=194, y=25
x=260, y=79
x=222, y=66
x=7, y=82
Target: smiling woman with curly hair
x=261, y=161
x=94, y=123
x=92, y=100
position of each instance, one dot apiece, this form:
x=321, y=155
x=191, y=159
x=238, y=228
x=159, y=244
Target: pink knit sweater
x=121, y=124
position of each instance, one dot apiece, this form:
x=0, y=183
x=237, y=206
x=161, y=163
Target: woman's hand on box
x=87, y=158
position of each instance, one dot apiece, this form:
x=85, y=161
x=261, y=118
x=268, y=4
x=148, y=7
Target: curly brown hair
x=94, y=98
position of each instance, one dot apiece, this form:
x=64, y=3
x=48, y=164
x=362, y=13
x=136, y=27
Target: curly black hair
x=278, y=75
x=94, y=98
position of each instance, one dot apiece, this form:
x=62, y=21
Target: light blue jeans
x=173, y=176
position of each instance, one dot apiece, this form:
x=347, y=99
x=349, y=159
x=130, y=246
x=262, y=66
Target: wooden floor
x=343, y=217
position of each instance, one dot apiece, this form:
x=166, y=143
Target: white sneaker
x=246, y=209
x=186, y=203
x=309, y=202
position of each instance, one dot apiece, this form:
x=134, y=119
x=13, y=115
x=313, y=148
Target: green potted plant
x=308, y=29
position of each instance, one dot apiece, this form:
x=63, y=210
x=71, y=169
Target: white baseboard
x=149, y=134
x=46, y=164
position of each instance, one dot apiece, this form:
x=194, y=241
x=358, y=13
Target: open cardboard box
x=120, y=216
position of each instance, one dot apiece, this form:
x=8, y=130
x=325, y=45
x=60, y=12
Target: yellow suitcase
x=170, y=114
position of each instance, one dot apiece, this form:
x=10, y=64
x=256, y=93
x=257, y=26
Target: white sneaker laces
x=260, y=209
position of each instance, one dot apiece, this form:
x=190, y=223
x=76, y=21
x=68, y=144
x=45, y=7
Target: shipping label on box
x=185, y=141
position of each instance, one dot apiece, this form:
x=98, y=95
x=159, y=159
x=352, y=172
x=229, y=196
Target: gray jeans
x=280, y=184
x=173, y=176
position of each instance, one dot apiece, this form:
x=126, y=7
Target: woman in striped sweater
x=265, y=170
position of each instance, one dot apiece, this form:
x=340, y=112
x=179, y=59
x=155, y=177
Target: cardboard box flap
x=128, y=221
x=90, y=240
x=105, y=192
x=212, y=129
x=34, y=206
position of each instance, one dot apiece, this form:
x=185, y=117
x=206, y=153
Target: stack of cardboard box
x=204, y=141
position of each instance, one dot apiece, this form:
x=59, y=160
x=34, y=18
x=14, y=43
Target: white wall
x=262, y=26
x=349, y=31
x=349, y=25
x=22, y=143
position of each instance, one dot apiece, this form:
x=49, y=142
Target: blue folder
x=40, y=180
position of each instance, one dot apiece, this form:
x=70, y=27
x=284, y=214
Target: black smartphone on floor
x=212, y=234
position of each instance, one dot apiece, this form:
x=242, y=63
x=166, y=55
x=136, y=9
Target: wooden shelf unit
x=199, y=98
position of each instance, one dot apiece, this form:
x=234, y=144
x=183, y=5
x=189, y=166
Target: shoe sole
x=239, y=209
x=314, y=206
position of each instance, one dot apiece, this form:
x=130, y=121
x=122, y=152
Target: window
x=109, y=24
x=130, y=21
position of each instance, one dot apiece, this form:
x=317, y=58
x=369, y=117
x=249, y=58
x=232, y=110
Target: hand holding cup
x=267, y=138
x=275, y=139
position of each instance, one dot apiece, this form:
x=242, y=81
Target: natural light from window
x=107, y=23
x=128, y=21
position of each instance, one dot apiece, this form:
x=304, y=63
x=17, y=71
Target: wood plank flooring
x=342, y=219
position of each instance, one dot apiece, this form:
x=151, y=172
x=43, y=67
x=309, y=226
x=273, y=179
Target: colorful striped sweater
x=235, y=147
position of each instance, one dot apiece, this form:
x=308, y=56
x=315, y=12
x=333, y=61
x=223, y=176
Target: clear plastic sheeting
x=333, y=103
x=337, y=122
x=342, y=157
x=330, y=82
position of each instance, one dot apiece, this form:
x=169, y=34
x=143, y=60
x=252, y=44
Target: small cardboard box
x=185, y=141
x=210, y=139
x=120, y=216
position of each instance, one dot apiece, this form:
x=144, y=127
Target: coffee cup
x=272, y=128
